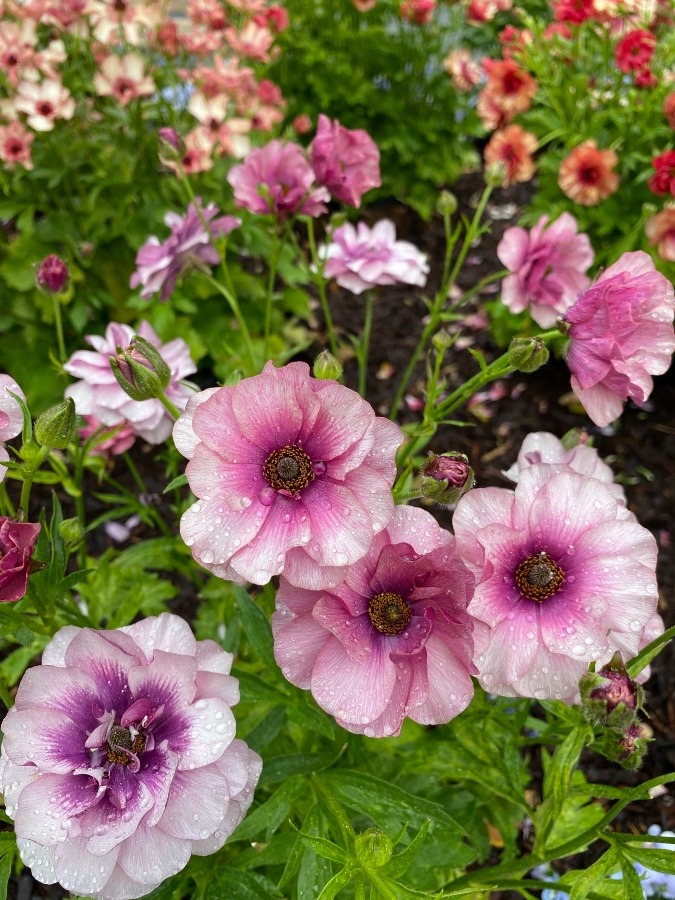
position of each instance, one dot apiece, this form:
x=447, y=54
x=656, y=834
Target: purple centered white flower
x=11, y=417
x=98, y=393
x=564, y=576
x=292, y=474
x=360, y=258
x=159, y=264
x=393, y=639
x=119, y=759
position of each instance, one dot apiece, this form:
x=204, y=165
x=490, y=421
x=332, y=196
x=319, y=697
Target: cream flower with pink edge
x=564, y=576
x=11, y=417
x=291, y=474
x=123, y=77
x=393, y=639
x=44, y=103
x=119, y=759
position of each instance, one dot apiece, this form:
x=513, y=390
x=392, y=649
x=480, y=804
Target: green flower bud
x=527, y=354
x=627, y=747
x=610, y=697
x=446, y=204
x=140, y=370
x=442, y=341
x=373, y=848
x=326, y=366
x=72, y=533
x=446, y=477
x=56, y=427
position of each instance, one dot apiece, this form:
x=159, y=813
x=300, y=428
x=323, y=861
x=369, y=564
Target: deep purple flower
x=292, y=474
x=346, y=162
x=11, y=417
x=52, y=274
x=393, y=639
x=278, y=179
x=119, y=759
x=360, y=258
x=17, y=542
x=160, y=264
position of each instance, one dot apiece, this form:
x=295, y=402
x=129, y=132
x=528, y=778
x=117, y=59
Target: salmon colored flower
x=15, y=144
x=586, y=175
x=419, y=12
x=511, y=151
x=509, y=86
x=574, y=11
x=364, y=5
x=660, y=230
x=669, y=109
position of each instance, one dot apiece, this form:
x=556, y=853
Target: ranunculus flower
x=123, y=77
x=564, y=576
x=464, y=70
x=98, y=394
x=663, y=179
x=15, y=145
x=634, y=51
x=292, y=474
x=160, y=264
x=660, y=230
x=360, y=258
x=345, y=162
x=111, y=441
x=44, y=102
x=548, y=266
x=509, y=87
x=17, y=541
x=278, y=179
x=119, y=759
x=510, y=150
x=392, y=640
x=11, y=417
x=621, y=333
x=587, y=174
x=419, y=12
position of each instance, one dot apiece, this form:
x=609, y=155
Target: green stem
x=6, y=697
x=271, y=278
x=321, y=286
x=471, y=233
x=80, y=510
x=28, y=475
x=58, y=323
x=234, y=306
x=173, y=411
x=365, y=344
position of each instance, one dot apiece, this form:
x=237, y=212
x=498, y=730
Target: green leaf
x=272, y=813
x=278, y=768
x=231, y=884
x=324, y=847
x=656, y=859
x=256, y=626
x=401, y=862
x=335, y=885
x=632, y=887
x=594, y=875
x=178, y=482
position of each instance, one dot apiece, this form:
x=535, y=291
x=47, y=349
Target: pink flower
x=109, y=441
x=11, y=417
x=52, y=274
x=17, y=541
x=346, y=162
x=253, y=41
x=160, y=264
x=119, y=759
x=291, y=474
x=417, y=11
x=564, y=576
x=359, y=258
x=621, y=333
x=660, y=230
x=15, y=145
x=392, y=640
x=98, y=393
x=548, y=265
x=277, y=179
x=123, y=77
x=44, y=103
x=463, y=69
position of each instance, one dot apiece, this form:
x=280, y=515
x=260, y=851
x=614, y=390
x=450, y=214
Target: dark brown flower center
x=289, y=469
x=389, y=613
x=538, y=577
x=121, y=740
x=589, y=174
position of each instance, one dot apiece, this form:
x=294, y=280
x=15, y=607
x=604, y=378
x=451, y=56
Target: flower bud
x=72, y=533
x=495, y=174
x=446, y=204
x=373, y=848
x=52, y=274
x=140, y=370
x=326, y=366
x=55, y=428
x=610, y=697
x=442, y=341
x=171, y=146
x=446, y=477
x=527, y=354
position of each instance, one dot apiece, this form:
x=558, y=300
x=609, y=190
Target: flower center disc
x=538, y=577
x=389, y=613
x=119, y=741
x=288, y=469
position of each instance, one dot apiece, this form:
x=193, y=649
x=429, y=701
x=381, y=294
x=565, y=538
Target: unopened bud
x=442, y=341
x=72, y=533
x=373, y=848
x=140, y=370
x=52, y=274
x=495, y=174
x=326, y=366
x=446, y=477
x=610, y=697
x=446, y=204
x=171, y=146
x=55, y=428
x=527, y=354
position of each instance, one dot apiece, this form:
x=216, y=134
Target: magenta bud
x=610, y=697
x=52, y=274
x=446, y=477
x=169, y=136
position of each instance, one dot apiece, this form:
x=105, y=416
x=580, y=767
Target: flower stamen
x=389, y=613
x=538, y=577
x=121, y=745
x=288, y=469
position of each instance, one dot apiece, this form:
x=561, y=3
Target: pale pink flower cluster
x=11, y=417
x=124, y=78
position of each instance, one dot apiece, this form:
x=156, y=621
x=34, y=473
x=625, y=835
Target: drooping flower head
x=360, y=258
x=278, y=179
x=292, y=474
x=548, y=266
x=621, y=333
x=587, y=175
x=119, y=759
x=11, y=417
x=392, y=640
x=564, y=576
x=159, y=264
x=346, y=162
x=510, y=150
x=98, y=394
x=660, y=230
x=17, y=542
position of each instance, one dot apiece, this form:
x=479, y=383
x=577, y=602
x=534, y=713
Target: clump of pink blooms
x=159, y=264
x=393, y=639
x=292, y=474
x=346, y=162
x=621, y=333
x=119, y=759
x=361, y=258
x=11, y=417
x=548, y=268
x=98, y=394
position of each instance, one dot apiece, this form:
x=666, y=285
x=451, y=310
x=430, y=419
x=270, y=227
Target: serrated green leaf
x=401, y=862
x=335, y=885
x=585, y=883
x=273, y=812
x=256, y=626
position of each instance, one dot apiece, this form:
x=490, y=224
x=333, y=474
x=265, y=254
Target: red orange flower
x=669, y=109
x=663, y=179
x=634, y=51
x=511, y=150
x=586, y=175
x=509, y=86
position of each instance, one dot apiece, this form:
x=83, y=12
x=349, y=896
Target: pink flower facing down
x=292, y=474
x=346, y=162
x=98, y=394
x=564, y=576
x=278, y=179
x=621, y=333
x=360, y=258
x=548, y=267
x=17, y=541
x=11, y=417
x=119, y=759
x=393, y=639
x=160, y=264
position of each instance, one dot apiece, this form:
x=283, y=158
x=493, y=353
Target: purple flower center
x=538, y=577
x=122, y=743
x=289, y=469
x=389, y=613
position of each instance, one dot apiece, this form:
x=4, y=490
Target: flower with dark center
x=389, y=613
x=288, y=470
x=538, y=577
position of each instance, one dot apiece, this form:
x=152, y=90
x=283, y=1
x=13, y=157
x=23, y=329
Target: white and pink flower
x=11, y=417
x=44, y=102
x=15, y=145
x=123, y=77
